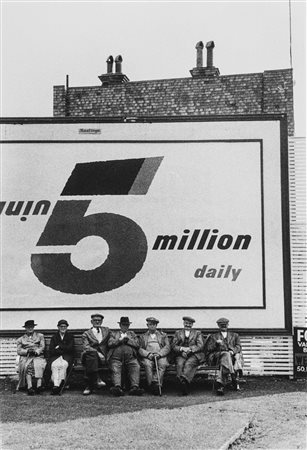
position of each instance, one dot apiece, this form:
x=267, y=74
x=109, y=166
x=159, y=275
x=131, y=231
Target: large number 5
x=67, y=226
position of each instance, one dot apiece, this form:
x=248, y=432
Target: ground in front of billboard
x=268, y=412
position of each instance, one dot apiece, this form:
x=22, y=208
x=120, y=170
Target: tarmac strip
x=209, y=426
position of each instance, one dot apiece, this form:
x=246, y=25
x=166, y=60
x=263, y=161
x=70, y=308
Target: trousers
x=132, y=367
x=150, y=369
x=58, y=371
x=186, y=367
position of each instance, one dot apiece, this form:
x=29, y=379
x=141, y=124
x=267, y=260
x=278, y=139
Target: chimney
x=118, y=64
x=204, y=72
x=110, y=77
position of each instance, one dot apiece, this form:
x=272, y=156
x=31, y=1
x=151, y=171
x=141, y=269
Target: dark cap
x=63, y=322
x=124, y=321
x=97, y=315
x=188, y=319
x=29, y=323
x=222, y=320
x=152, y=319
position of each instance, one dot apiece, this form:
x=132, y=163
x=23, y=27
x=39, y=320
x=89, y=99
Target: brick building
x=205, y=92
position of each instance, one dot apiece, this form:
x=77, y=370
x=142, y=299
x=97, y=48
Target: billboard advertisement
x=145, y=218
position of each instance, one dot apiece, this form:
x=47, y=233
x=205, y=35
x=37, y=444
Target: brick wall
x=255, y=93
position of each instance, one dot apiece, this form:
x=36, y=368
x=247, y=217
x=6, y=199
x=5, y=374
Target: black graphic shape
x=67, y=226
x=103, y=177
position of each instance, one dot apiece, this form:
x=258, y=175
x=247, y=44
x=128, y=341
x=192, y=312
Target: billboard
x=139, y=218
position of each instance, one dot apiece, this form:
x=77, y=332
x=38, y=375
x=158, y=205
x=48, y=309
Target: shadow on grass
x=72, y=405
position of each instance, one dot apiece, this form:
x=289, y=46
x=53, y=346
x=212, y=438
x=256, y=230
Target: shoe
x=31, y=391
x=235, y=383
x=117, y=391
x=135, y=390
x=184, y=386
x=55, y=390
x=38, y=391
x=100, y=383
x=154, y=388
x=219, y=389
x=87, y=391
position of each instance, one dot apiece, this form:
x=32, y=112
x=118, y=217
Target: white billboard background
x=198, y=185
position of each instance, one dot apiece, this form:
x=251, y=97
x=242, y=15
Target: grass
x=72, y=405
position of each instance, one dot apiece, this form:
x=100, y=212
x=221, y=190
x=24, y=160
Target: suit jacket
x=163, y=341
x=196, y=343
x=232, y=342
x=91, y=344
x=114, y=342
x=65, y=347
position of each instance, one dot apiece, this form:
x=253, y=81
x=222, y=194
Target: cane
x=66, y=379
x=158, y=375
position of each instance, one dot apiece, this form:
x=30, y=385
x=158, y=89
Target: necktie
x=98, y=330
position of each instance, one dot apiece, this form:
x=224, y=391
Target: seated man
x=122, y=356
x=224, y=349
x=61, y=355
x=154, y=347
x=32, y=363
x=188, y=347
x=95, y=341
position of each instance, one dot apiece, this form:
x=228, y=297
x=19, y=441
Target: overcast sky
x=44, y=41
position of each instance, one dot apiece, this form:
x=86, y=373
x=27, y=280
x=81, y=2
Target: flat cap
x=97, y=315
x=222, y=320
x=188, y=319
x=152, y=319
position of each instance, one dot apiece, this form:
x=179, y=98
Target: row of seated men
x=124, y=351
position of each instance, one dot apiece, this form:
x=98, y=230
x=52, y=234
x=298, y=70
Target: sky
x=42, y=42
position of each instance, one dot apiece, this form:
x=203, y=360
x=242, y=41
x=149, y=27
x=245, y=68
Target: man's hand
x=150, y=356
x=219, y=341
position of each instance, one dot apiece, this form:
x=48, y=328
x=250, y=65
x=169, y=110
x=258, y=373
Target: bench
x=203, y=370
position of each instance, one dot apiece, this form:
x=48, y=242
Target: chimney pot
x=199, y=54
x=118, y=64
x=110, y=61
x=210, y=46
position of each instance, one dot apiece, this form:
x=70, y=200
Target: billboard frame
x=285, y=222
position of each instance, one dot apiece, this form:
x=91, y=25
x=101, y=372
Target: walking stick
x=66, y=379
x=158, y=375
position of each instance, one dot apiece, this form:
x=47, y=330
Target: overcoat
x=90, y=342
x=35, y=342
x=163, y=341
x=213, y=348
x=195, y=343
x=114, y=342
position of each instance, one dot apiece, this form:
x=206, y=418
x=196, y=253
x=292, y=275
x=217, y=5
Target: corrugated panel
x=268, y=355
x=8, y=354
x=297, y=193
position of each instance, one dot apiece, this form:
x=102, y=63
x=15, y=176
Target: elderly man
x=61, y=355
x=154, y=348
x=188, y=345
x=95, y=341
x=224, y=349
x=122, y=356
x=30, y=348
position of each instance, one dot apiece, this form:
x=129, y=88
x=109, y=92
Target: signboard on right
x=300, y=352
